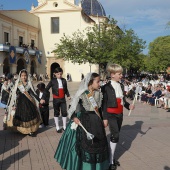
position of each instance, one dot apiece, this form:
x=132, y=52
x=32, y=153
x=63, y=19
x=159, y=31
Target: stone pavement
x=144, y=142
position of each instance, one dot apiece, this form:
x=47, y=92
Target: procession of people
x=95, y=106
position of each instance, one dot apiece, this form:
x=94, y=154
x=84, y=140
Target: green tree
x=159, y=54
x=127, y=49
x=100, y=44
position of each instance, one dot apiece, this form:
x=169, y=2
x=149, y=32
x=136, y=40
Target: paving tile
x=144, y=142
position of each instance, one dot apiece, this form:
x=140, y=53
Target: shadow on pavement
x=9, y=140
x=166, y=168
x=127, y=135
x=7, y=162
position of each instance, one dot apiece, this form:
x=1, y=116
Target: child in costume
x=113, y=102
x=5, y=90
x=44, y=108
x=23, y=107
x=75, y=151
x=59, y=90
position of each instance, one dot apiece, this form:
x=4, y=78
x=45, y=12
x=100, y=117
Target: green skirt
x=67, y=157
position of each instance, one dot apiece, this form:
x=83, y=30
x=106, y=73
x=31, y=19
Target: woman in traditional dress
x=23, y=107
x=75, y=151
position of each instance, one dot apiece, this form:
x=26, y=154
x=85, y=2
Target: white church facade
x=28, y=38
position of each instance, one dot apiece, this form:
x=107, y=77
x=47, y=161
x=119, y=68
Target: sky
x=148, y=18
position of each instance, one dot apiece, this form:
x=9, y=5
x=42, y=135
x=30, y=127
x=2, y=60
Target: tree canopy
x=159, y=54
x=102, y=43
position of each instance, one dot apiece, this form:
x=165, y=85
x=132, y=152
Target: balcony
x=19, y=50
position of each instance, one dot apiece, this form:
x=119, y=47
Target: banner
x=26, y=55
x=12, y=54
x=38, y=56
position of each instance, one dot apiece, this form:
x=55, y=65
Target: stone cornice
x=18, y=23
x=59, y=11
x=35, y=10
x=6, y=28
x=73, y=5
x=38, y=7
x=22, y=33
x=33, y=36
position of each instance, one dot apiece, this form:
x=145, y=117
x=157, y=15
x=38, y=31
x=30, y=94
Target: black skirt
x=96, y=150
x=26, y=114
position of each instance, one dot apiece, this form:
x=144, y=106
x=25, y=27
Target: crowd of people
x=96, y=105
x=151, y=92
x=33, y=77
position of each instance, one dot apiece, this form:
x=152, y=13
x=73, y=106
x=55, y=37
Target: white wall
x=70, y=20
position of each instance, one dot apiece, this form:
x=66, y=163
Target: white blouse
x=118, y=89
x=40, y=95
x=60, y=85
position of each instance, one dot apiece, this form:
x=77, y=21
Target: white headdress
x=82, y=88
x=13, y=95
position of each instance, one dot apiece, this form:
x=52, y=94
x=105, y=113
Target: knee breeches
x=60, y=105
x=115, y=123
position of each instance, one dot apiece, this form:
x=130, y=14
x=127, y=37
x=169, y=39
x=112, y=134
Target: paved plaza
x=144, y=142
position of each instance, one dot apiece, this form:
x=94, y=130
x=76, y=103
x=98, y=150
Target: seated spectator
x=157, y=94
x=126, y=88
x=141, y=88
x=167, y=98
x=35, y=77
x=46, y=77
x=161, y=99
x=145, y=95
x=131, y=93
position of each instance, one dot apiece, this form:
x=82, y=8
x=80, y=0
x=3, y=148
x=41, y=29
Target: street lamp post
x=90, y=66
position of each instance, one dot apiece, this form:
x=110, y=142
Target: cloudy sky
x=147, y=18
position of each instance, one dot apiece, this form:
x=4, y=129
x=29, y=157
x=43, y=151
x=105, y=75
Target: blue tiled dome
x=93, y=7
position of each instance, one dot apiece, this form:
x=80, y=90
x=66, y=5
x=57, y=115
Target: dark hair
x=24, y=71
x=41, y=86
x=93, y=76
x=6, y=79
x=58, y=69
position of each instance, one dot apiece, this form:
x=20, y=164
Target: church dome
x=93, y=7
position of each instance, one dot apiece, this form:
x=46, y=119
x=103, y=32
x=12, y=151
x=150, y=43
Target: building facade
x=28, y=38
x=18, y=41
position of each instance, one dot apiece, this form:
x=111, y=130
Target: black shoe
x=116, y=162
x=4, y=126
x=112, y=167
x=59, y=131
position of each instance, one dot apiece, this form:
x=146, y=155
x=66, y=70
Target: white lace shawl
x=13, y=96
x=86, y=103
x=82, y=88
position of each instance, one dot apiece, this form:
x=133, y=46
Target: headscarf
x=82, y=88
x=13, y=95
